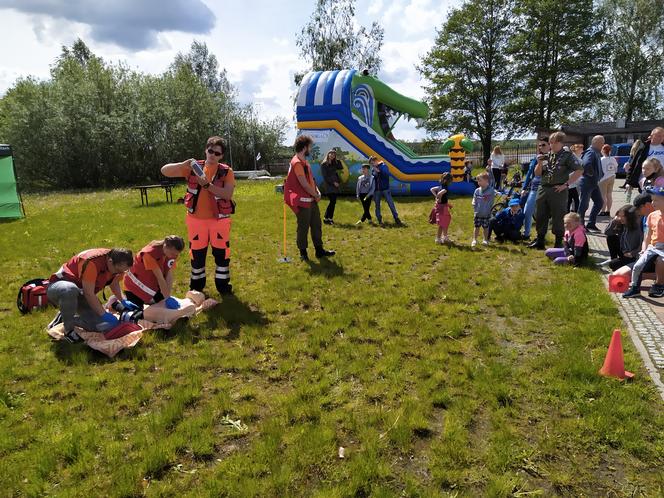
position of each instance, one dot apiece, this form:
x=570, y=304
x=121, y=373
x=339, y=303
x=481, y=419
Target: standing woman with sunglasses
x=209, y=203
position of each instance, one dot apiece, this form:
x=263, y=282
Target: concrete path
x=643, y=316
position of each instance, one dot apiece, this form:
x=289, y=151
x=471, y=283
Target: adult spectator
x=531, y=185
x=609, y=170
x=558, y=169
x=74, y=288
x=589, y=183
x=653, y=147
x=302, y=195
x=331, y=181
x=497, y=165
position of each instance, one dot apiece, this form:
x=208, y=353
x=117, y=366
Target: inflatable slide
x=354, y=113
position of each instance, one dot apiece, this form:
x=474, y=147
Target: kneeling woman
x=150, y=279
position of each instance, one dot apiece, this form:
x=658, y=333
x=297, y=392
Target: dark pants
x=222, y=276
x=550, y=205
x=329, y=212
x=573, y=199
x=366, y=204
x=497, y=175
x=613, y=243
x=590, y=190
x=503, y=232
x=620, y=261
x=309, y=218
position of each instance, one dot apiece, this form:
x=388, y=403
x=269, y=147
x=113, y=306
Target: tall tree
x=332, y=39
x=205, y=66
x=635, y=37
x=557, y=53
x=467, y=71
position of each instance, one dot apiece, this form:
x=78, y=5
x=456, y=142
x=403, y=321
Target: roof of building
x=609, y=127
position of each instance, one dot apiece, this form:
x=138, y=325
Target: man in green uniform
x=558, y=170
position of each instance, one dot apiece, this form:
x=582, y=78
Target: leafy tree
x=635, y=38
x=332, y=39
x=468, y=78
x=205, y=66
x=94, y=124
x=558, y=65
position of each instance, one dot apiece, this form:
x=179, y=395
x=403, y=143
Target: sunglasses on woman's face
x=210, y=151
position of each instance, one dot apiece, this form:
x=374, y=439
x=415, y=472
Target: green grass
x=441, y=371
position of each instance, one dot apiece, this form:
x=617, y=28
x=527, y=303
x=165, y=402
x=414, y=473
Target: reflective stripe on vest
x=141, y=285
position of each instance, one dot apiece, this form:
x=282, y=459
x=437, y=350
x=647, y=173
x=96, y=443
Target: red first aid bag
x=32, y=295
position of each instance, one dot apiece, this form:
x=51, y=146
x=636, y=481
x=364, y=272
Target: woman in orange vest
x=209, y=203
x=74, y=288
x=150, y=279
x=302, y=195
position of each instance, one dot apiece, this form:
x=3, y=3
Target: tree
x=557, y=52
x=467, y=71
x=205, y=66
x=331, y=39
x=105, y=125
x=635, y=36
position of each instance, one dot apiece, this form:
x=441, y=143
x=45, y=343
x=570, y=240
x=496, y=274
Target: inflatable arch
x=354, y=114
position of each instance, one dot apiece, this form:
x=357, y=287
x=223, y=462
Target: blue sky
x=254, y=40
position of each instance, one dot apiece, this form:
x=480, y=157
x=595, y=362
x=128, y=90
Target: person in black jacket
x=329, y=169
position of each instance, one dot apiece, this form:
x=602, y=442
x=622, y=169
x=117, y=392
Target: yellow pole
x=284, y=230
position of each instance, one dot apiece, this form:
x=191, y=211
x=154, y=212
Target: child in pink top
x=575, y=244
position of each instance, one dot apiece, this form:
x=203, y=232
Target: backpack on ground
x=32, y=295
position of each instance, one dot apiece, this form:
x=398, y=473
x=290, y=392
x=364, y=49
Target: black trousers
x=620, y=261
x=497, y=175
x=613, y=243
x=366, y=205
x=572, y=198
x=503, y=232
x=329, y=212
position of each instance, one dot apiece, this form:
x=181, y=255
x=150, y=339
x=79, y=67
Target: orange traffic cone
x=618, y=283
x=614, y=364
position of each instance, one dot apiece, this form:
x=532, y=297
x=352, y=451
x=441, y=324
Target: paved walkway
x=643, y=316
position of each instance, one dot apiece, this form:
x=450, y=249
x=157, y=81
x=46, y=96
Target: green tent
x=10, y=202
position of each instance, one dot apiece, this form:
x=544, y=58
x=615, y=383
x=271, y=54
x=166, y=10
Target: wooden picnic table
x=168, y=188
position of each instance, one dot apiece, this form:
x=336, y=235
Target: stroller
x=510, y=191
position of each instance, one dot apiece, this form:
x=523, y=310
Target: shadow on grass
x=233, y=313
x=325, y=266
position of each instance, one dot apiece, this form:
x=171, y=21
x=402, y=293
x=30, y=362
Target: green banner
x=10, y=203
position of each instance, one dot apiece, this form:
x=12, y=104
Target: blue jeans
x=528, y=212
x=589, y=190
x=388, y=197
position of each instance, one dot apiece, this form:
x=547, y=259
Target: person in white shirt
x=497, y=165
x=609, y=169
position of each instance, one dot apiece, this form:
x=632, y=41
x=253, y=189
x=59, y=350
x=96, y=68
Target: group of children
x=374, y=183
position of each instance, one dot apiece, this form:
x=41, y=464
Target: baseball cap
x=641, y=200
x=514, y=202
x=658, y=191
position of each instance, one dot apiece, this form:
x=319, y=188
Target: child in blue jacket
x=508, y=222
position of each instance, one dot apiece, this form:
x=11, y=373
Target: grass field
x=442, y=371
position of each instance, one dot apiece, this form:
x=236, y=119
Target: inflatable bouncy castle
x=354, y=113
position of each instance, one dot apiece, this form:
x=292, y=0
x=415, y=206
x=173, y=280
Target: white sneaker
x=358, y=222
x=446, y=240
x=473, y=243
x=438, y=241
x=485, y=242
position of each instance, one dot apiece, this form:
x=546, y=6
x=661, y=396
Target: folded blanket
x=156, y=316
